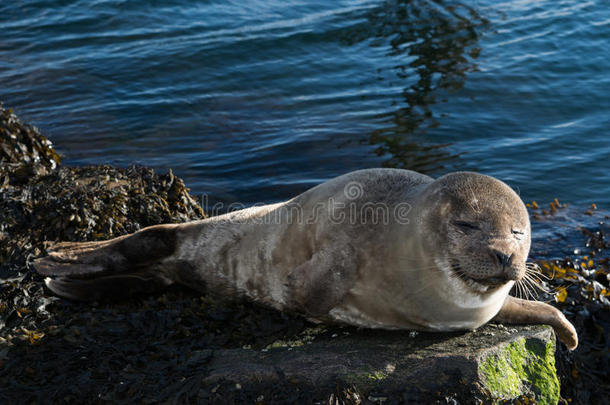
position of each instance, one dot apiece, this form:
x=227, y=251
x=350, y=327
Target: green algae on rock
x=522, y=367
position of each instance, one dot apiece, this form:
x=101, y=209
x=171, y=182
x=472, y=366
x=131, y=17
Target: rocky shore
x=184, y=347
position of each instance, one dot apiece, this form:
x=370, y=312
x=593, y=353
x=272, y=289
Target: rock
x=488, y=364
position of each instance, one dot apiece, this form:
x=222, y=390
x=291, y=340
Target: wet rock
x=474, y=366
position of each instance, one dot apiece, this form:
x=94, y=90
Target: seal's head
x=480, y=228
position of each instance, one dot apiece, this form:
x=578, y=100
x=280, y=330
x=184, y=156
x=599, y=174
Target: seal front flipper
x=89, y=271
x=321, y=283
x=515, y=310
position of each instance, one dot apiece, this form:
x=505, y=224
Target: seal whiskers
x=530, y=282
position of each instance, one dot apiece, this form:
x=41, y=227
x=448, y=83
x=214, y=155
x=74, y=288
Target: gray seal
x=377, y=248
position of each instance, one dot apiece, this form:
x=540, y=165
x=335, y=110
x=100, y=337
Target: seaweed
x=578, y=283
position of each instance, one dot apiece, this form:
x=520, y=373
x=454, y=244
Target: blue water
x=255, y=101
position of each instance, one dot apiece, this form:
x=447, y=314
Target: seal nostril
x=504, y=259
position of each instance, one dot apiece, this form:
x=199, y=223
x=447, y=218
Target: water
x=255, y=101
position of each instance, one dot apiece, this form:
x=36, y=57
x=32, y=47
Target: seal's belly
x=434, y=309
x=354, y=316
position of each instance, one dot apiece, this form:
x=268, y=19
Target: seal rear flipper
x=86, y=259
x=106, y=287
x=114, y=268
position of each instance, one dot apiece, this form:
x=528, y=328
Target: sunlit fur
x=423, y=273
x=449, y=264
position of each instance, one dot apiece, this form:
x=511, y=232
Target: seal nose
x=504, y=259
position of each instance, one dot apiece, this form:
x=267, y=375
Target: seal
x=377, y=248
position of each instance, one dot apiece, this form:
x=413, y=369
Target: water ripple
x=258, y=100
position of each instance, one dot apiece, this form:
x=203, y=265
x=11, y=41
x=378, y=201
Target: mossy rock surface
x=400, y=366
x=523, y=367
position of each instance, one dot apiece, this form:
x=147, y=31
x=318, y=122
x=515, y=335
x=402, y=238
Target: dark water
x=258, y=100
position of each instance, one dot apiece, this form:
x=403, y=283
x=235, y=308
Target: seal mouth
x=493, y=281
x=489, y=282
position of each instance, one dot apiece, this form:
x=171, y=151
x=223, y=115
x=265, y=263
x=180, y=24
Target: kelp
x=578, y=283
